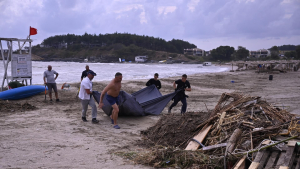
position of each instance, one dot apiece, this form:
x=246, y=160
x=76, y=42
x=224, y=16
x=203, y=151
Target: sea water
x=70, y=72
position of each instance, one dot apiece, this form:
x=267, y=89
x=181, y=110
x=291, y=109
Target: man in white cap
x=85, y=94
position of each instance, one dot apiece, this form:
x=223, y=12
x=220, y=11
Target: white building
x=260, y=53
x=206, y=63
x=141, y=58
x=195, y=52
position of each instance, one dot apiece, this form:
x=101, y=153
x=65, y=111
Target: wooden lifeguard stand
x=21, y=66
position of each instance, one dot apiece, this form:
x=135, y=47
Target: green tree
x=298, y=52
x=287, y=47
x=290, y=54
x=150, y=43
x=222, y=53
x=274, y=52
x=241, y=53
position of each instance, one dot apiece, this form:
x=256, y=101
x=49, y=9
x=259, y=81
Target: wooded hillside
x=109, y=47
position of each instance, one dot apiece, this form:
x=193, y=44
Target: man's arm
x=148, y=83
x=45, y=80
x=82, y=74
x=159, y=85
x=56, y=76
x=103, y=93
x=174, y=85
x=88, y=91
x=188, y=87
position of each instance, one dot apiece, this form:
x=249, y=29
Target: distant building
x=282, y=52
x=207, y=53
x=55, y=45
x=260, y=53
x=141, y=58
x=194, y=51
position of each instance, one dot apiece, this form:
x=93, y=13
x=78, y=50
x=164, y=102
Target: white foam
x=70, y=72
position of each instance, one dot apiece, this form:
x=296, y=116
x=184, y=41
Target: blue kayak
x=21, y=92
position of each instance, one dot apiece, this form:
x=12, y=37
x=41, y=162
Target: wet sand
x=53, y=135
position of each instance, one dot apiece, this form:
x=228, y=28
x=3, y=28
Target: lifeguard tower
x=21, y=66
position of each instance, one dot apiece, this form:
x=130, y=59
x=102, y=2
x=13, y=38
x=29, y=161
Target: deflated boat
x=147, y=101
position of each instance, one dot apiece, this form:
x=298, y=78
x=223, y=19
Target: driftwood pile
x=253, y=117
x=237, y=125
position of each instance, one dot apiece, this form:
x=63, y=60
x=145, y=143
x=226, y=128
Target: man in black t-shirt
x=84, y=73
x=182, y=85
x=154, y=81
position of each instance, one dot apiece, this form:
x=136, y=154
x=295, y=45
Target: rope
x=259, y=147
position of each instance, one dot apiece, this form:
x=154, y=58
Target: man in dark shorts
x=85, y=72
x=183, y=85
x=49, y=75
x=154, y=81
x=111, y=93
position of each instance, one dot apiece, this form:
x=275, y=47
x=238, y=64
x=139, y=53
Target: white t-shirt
x=86, y=83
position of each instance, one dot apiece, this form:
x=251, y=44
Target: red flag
x=32, y=31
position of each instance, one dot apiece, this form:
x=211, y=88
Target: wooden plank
x=221, y=120
x=258, y=156
x=214, y=146
x=285, y=157
x=241, y=164
x=294, y=153
x=253, y=165
x=264, y=158
x=283, y=167
x=291, y=143
x=272, y=159
x=199, y=137
x=298, y=164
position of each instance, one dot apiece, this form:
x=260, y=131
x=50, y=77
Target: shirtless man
x=111, y=93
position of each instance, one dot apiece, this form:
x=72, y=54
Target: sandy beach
x=52, y=135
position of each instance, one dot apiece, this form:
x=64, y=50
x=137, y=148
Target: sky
x=254, y=24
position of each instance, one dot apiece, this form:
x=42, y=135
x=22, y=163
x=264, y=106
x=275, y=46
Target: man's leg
x=84, y=104
x=184, y=105
x=176, y=100
x=94, y=110
x=55, y=91
x=50, y=90
x=50, y=95
x=115, y=113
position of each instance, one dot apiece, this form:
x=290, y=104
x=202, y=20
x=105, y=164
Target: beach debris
x=8, y=106
x=267, y=66
x=236, y=127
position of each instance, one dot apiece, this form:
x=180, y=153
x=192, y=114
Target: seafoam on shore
x=70, y=72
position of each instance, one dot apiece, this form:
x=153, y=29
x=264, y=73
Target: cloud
x=192, y=5
x=166, y=9
x=193, y=20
